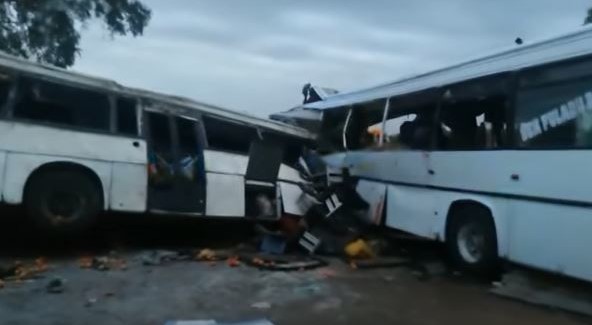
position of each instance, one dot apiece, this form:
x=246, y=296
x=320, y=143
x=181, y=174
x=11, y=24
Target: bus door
x=262, y=198
x=176, y=174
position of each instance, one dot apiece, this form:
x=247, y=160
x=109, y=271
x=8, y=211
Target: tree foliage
x=49, y=30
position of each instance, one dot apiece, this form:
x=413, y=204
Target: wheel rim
x=64, y=206
x=471, y=242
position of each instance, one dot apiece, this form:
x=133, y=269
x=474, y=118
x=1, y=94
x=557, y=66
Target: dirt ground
x=188, y=290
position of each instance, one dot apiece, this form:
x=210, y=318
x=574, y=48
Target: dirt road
x=191, y=290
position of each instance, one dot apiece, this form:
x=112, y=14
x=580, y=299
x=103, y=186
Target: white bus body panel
x=220, y=162
x=374, y=193
x=27, y=147
x=542, y=219
x=552, y=237
x=294, y=200
x=129, y=187
x=225, y=195
x=225, y=189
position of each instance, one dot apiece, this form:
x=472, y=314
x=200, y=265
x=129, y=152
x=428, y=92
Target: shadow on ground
x=19, y=238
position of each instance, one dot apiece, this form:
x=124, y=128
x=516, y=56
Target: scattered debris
x=159, y=257
x=90, y=301
x=102, y=263
x=261, y=305
x=359, y=250
x=285, y=263
x=41, y=265
x=56, y=285
x=273, y=244
x=233, y=261
x=20, y=271
x=208, y=255
x=309, y=242
x=85, y=262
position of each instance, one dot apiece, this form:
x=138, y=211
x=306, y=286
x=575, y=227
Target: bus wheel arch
x=63, y=197
x=471, y=237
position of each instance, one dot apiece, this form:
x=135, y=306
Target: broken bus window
x=61, y=104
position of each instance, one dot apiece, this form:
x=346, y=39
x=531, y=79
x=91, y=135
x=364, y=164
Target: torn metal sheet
x=375, y=195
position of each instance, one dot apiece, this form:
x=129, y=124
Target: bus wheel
x=63, y=201
x=471, y=239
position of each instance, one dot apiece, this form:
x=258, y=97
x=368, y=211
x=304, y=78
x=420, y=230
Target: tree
x=588, y=19
x=49, y=30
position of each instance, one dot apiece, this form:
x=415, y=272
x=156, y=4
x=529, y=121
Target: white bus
x=491, y=156
x=72, y=146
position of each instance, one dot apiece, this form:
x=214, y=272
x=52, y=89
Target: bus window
x=331, y=137
x=409, y=124
x=365, y=125
x=396, y=132
x=227, y=136
x=187, y=136
x=60, y=104
x=5, y=86
x=127, y=122
x=473, y=116
x=552, y=114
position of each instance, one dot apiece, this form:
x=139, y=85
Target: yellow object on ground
x=358, y=250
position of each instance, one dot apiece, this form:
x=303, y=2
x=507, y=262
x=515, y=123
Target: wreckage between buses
x=490, y=156
x=72, y=146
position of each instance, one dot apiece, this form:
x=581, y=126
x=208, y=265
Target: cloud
x=255, y=55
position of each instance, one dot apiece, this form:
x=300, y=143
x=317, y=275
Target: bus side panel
x=225, y=195
x=375, y=195
x=411, y=209
x=129, y=187
x=552, y=237
x=45, y=140
x=225, y=162
x=19, y=166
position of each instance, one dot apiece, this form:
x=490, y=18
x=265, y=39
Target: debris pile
x=102, y=263
x=20, y=271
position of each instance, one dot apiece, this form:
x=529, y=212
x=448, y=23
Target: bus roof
x=567, y=46
x=58, y=74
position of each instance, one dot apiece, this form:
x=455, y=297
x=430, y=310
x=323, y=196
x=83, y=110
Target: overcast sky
x=255, y=55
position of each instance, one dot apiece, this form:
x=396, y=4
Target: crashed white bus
x=491, y=156
x=72, y=146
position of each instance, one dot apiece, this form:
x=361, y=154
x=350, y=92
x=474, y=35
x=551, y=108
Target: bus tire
x=63, y=201
x=471, y=239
